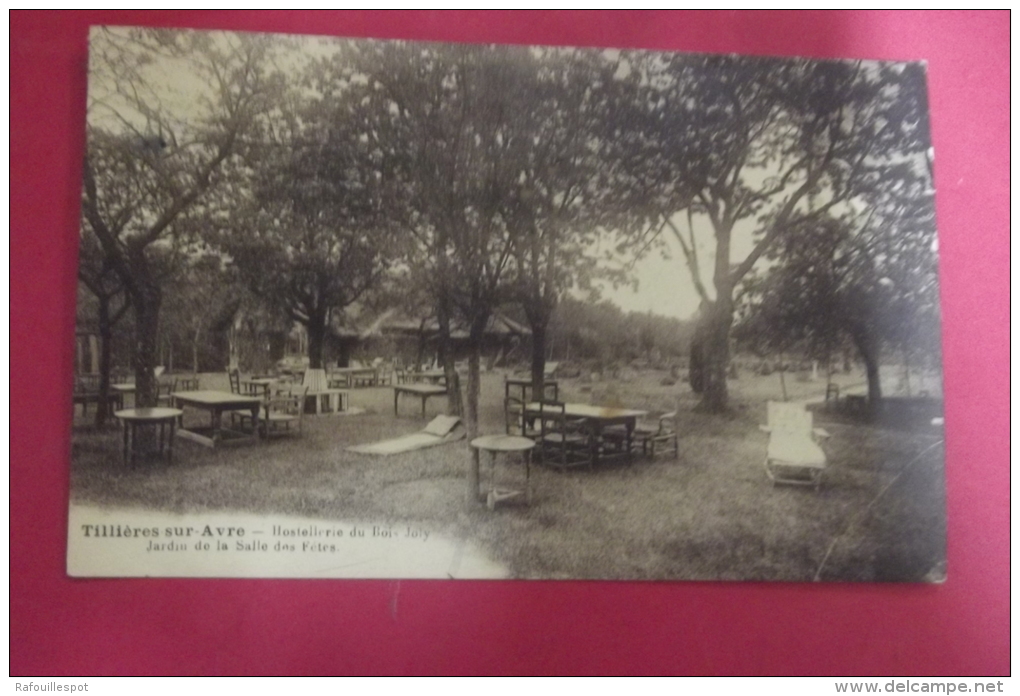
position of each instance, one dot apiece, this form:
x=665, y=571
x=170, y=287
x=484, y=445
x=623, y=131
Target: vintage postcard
x=384, y=309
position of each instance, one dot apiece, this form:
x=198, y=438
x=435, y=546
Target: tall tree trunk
x=455, y=403
x=316, y=328
x=146, y=302
x=194, y=351
x=782, y=377
x=869, y=352
x=874, y=380
x=105, y=339
x=539, y=331
x=473, y=392
x=716, y=359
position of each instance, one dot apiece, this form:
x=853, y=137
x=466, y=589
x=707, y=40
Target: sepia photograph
x=353, y=308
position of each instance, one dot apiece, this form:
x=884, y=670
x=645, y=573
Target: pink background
x=59, y=625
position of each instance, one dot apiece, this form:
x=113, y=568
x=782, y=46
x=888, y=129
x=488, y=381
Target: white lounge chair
x=793, y=455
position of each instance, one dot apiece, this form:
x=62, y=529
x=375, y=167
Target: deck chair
x=441, y=430
x=793, y=454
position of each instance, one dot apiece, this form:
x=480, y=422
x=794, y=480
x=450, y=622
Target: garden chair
x=564, y=441
x=513, y=415
x=384, y=374
x=648, y=437
x=793, y=454
x=165, y=387
x=187, y=383
x=283, y=414
x=86, y=391
x=235, y=388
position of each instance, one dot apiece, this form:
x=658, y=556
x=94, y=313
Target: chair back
x=789, y=418
x=513, y=415
x=291, y=402
x=187, y=384
x=86, y=384
x=165, y=386
x=553, y=418
x=235, y=381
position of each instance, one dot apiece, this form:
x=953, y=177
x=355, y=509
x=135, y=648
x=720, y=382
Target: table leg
x=630, y=435
x=490, y=499
x=127, y=425
x=255, y=422
x=527, y=475
x=217, y=425
x=396, y=395
x=423, y=405
x=170, y=442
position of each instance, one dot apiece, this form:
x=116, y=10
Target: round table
x=134, y=418
x=495, y=444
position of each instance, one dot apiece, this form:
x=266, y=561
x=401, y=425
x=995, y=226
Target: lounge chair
x=440, y=431
x=793, y=454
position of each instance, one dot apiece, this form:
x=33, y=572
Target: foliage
x=767, y=147
x=310, y=238
x=603, y=335
x=868, y=277
x=152, y=160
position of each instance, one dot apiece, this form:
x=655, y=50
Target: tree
x=868, y=276
x=97, y=275
x=312, y=239
x=745, y=144
x=442, y=120
x=564, y=190
x=156, y=147
x=201, y=295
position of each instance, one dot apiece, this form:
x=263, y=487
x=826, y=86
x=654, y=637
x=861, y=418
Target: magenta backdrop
x=64, y=626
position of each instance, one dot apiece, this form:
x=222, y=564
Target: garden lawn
x=712, y=514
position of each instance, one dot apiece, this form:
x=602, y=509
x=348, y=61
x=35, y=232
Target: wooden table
x=597, y=417
x=421, y=390
x=216, y=403
x=159, y=418
x=494, y=444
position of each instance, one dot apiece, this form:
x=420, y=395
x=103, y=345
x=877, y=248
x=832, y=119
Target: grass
x=711, y=515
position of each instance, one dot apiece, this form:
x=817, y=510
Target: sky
x=664, y=284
